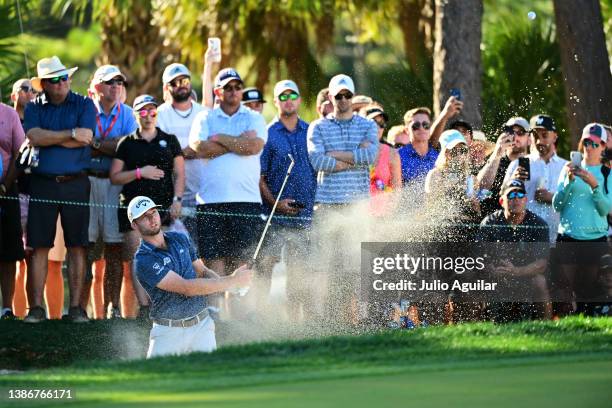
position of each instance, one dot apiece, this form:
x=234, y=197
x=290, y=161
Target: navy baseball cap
x=142, y=101
x=514, y=185
x=252, y=95
x=225, y=76
x=543, y=122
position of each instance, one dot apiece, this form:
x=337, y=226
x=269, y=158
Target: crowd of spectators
x=72, y=163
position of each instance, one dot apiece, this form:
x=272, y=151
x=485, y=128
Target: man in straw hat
x=60, y=124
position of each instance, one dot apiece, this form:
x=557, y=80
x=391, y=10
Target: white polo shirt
x=549, y=173
x=178, y=123
x=229, y=178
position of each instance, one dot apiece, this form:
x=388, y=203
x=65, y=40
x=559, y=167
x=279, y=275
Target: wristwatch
x=177, y=199
x=73, y=133
x=96, y=144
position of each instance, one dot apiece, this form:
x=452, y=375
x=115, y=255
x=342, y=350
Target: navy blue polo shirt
x=75, y=112
x=153, y=264
x=302, y=183
x=414, y=166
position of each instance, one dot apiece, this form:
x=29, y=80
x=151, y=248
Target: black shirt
x=491, y=203
x=135, y=152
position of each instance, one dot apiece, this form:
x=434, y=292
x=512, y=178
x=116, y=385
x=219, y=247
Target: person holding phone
x=584, y=199
x=540, y=171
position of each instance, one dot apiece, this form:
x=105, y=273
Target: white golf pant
x=164, y=340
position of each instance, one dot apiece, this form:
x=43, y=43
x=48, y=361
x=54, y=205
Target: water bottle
x=469, y=186
x=34, y=157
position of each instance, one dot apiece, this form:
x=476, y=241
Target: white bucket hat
x=50, y=68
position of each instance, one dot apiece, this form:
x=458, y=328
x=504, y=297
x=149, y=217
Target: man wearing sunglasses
x=22, y=94
x=341, y=147
x=511, y=144
x=521, y=268
x=61, y=125
x=231, y=136
x=113, y=121
x=287, y=136
x=544, y=170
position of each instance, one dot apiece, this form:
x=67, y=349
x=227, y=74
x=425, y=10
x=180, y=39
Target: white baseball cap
x=340, y=82
x=138, y=206
x=285, y=85
x=106, y=73
x=174, y=70
x=451, y=138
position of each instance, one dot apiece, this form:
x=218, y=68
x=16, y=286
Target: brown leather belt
x=63, y=178
x=187, y=322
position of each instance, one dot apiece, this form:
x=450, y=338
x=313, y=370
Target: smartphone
x=214, y=43
x=524, y=163
x=456, y=92
x=576, y=158
x=296, y=204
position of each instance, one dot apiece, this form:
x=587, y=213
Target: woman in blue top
x=583, y=202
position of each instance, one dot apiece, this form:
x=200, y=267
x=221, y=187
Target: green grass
x=565, y=363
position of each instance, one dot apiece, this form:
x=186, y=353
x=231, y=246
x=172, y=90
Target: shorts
x=577, y=252
x=58, y=252
x=70, y=200
x=103, y=218
x=233, y=235
x=11, y=242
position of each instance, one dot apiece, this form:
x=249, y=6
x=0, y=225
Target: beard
x=180, y=95
x=543, y=149
x=150, y=232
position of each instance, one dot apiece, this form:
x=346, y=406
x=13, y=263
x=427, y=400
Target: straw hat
x=479, y=137
x=50, y=68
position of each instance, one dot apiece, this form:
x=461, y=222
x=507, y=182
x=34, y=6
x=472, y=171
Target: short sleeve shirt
x=11, y=136
x=75, y=111
x=152, y=264
x=135, y=152
x=120, y=122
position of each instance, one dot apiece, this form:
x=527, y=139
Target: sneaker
x=114, y=313
x=7, y=314
x=36, y=314
x=77, y=315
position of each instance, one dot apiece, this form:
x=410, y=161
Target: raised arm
x=173, y=282
x=452, y=107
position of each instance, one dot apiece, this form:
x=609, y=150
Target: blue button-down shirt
x=75, y=112
x=329, y=134
x=124, y=125
x=153, y=264
x=414, y=166
x=302, y=183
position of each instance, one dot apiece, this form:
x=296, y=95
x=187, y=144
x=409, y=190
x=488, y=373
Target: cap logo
x=540, y=120
x=175, y=70
x=142, y=202
x=342, y=82
x=252, y=94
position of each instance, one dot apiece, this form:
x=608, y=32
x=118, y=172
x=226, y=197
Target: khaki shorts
x=104, y=199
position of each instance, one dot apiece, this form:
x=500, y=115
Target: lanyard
x=105, y=133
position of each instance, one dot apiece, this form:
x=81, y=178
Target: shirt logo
x=163, y=143
x=181, y=251
x=166, y=261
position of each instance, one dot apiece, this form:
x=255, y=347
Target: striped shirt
x=329, y=134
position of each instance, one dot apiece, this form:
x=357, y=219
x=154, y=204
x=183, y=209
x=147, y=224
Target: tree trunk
x=416, y=20
x=457, y=60
x=585, y=63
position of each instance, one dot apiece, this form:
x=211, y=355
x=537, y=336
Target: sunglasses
x=590, y=143
x=519, y=132
x=26, y=89
x=118, y=82
x=56, y=80
x=184, y=82
x=147, y=112
x=515, y=194
x=346, y=96
x=417, y=125
x=235, y=88
x=285, y=97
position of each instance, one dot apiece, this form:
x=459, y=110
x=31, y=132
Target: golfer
x=176, y=281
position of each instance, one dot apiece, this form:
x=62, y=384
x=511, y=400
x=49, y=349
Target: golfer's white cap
x=138, y=206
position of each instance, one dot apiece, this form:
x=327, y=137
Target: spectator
x=11, y=245
x=521, y=269
x=252, y=98
x=148, y=162
x=114, y=121
x=465, y=128
x=341, y=147
x=231, y=136
x=584, y=199
x=544, y=170
x=386, y=174
x=360, y=101
x=60, y=124
x=480, y=149
x=292, y=222
x=324, y=105
x=511, y=144
x=175, y=117
x=22, y=94
x=397, y=136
